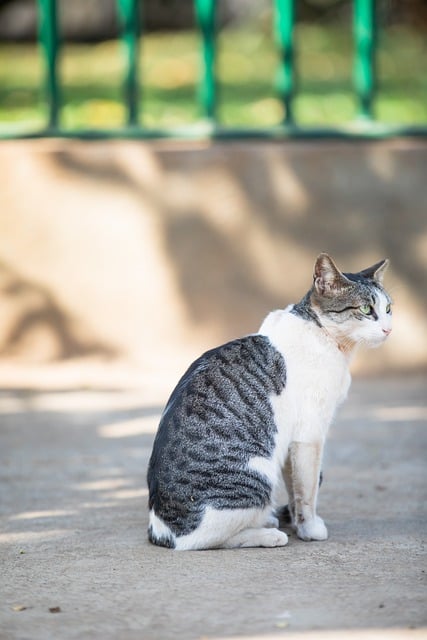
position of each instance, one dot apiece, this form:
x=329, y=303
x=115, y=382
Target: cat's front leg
x=301, y=474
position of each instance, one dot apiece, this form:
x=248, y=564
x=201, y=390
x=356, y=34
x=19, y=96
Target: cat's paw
x=262, y=537
x=313, y=529
x=273, y=538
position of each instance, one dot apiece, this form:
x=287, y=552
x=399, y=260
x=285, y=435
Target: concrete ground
x=75, y=561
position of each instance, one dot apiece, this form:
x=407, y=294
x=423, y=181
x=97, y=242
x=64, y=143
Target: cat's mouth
x=378, y=340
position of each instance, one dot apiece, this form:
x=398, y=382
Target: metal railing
x=365, y=126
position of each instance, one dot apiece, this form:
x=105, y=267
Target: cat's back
x=220, y=391
x=219, y=374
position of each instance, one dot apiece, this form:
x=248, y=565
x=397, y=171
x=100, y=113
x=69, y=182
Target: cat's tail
x=159, y=533
x=284, y=515
x=161, y=541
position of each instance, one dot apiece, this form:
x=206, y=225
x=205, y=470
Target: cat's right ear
x=328, y=279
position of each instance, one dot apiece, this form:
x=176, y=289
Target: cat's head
x=353, y=307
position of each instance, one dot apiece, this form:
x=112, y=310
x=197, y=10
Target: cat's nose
x=387, y=331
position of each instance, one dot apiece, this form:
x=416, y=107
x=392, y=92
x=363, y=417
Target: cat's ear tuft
x=377, y=271
x=328, y=279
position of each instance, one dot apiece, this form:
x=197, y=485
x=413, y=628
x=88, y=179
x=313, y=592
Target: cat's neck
x=308, y=311
x=343, y=342
x=345, y=345
x=305, y=310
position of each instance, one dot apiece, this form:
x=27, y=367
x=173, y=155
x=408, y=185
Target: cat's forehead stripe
x=381, y=296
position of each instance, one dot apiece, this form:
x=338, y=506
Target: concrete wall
x=152, y=252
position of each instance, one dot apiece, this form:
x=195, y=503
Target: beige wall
x=143, y=252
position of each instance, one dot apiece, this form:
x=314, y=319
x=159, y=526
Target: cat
x=256, y=410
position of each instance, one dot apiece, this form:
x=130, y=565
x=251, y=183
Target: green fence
x=129, y=11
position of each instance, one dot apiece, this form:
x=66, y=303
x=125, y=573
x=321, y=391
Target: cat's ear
x=328, y=279
x=377, y=271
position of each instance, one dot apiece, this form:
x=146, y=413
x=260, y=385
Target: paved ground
x=75, y=562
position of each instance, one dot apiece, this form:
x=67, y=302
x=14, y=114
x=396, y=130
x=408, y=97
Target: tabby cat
x=256, y=410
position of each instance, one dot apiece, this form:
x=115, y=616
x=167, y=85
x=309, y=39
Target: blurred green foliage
x=247, y=62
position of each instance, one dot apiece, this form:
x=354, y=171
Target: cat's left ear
x=377, y=271
x=328, y=279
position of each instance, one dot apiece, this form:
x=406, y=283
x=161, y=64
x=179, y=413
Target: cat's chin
x=375, y=343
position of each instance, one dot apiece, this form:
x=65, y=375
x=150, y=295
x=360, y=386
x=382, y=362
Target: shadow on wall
x=358, y=206
x=360, y=203
x=352, y=200
x=218, y=280
x=239, y=226
x=36, y=311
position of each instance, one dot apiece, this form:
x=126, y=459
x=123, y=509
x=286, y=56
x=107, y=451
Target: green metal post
x=284, y=20
x=206, y=14
x=364, y=65
x=49, y=41
x=129, y=14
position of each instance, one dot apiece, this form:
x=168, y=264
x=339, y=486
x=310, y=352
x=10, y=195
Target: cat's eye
x=388, y=308
x=366, y=309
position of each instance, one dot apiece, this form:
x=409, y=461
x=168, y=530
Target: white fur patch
x=219, y=525
x=317, y=379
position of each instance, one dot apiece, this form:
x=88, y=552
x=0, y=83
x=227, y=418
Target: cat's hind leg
x=262, y=537
x=229, y=528
x=264, y=534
